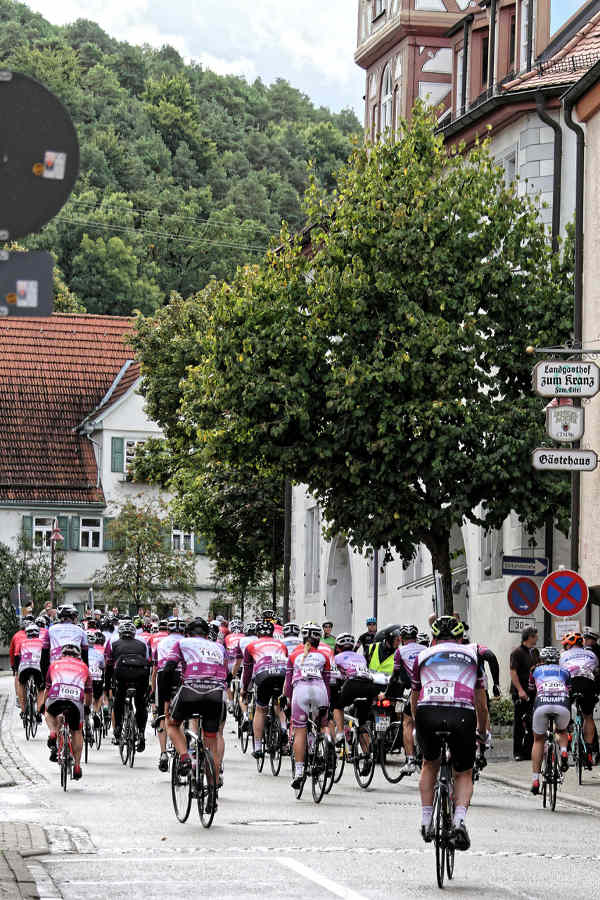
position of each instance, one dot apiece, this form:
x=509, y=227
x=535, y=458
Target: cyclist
x=14, y=650
x=97, y=667
x=551, y=684
x=162, y=630
x=367, y=637
x=202, y=691
x=68, y=692
x=328, y=637
x=307, y=685
x=234, y=654
x=423, y=639
x=582, y=665
x=404, y=660
x=128, y=664
x=356, y=682
x=381, y=654
x=249, y=636
x=164, y=689
x=43, y=623
x=32, y=660
x=66, y=631
x=265, y=661
x=447, y=695
x=291, y=636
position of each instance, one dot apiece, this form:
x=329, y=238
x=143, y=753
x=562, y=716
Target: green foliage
x=30, y=567
x=185, y=174
x=502, y=711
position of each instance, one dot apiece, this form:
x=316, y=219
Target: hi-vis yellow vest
x=386, y=666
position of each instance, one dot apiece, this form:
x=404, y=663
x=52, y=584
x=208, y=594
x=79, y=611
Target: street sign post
x=565, y=423
x=564, y=593
x=517, y=624
x=550, y=459
x=555, y=378
x=536, y=566
x=523, y=596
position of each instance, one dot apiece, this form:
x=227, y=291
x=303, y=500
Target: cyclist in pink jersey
x=265, y=661
x=68, y=693
x=163, y=689
x=66, y=631
x=356, y=683
x=404, y=660
x=97, y=667
x=448, y=695
x=32, y=661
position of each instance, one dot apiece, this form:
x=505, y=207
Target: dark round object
x=383, y=631
x=39, y=155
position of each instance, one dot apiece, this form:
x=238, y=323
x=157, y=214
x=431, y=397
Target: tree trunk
x=439, y=547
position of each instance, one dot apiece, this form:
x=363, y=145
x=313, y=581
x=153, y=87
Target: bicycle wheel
x=448, y=821
x=181, y=791
x=275, y=742
x=64, y=758
x=364, y=757
x=553, y=783
x=33, y=708
x=439, y=837
x=124, y=741
x=245, y=737
x=133, y=737
x=260, y=762
x=206, y=786
x=298, y=791
x=391, y=753
x=578, y=752
x=98, y=735
x=340, y=763
x=319, y=768
x=331, y=764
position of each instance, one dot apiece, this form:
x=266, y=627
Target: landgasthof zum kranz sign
x=555, y=378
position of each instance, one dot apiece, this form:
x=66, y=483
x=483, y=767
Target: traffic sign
x=565, y=423
x=547, y=458
x=553, y=378
x=525, y=565
x=517, y=624
x=564, y=593
x=523, y=596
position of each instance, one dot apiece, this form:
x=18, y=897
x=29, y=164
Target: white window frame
x=526, y=7
x=90, y=531
x=43, y=530
x=387, y=101
x=378, y=7
x=129, y=449
x=492, y=549
x=181, y=537
x=312, y=551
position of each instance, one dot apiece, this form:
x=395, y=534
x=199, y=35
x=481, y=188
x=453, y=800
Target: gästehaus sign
x=566, y=460
x=553, y=378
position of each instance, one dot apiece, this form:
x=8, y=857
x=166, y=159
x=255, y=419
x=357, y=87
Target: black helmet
x=549, y=655
x=163, y=624
x=390, y=635
x=127, y=630
x=213, y=630
x=42, y=621
x=265, y=629
x=32, y=630
x=448, y=627
x=250, y=628
x=71, y=650
x=176, y=626
x=198, y=627
x=236, y=626
x=96, y=637
x=423, y=638
x=290, y=629
x=66, y=613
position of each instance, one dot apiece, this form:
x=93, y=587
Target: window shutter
x=28, y=530
x=74, y=536
x=107, y=541
x=63, y=527
x=199, y=545
x=117, y=454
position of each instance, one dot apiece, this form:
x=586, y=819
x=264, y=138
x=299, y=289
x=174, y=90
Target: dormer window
x=378, y=8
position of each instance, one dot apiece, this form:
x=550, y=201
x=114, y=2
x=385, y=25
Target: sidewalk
x=518, y=775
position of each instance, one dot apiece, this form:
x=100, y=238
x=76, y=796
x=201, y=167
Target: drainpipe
x=529, y=34
x=375, y=582
x=492, y=46
x=465, y=70
x=577, y=318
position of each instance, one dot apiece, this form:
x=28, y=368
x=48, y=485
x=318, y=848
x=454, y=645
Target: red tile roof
x=120, y=386
x=54, y=371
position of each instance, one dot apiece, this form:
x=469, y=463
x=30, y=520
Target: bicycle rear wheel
x=439, y=838
x=32, y=695
x=331, y=764
x=181, y=791
x=300, y=789
x=578, y=753
x=245, y=735
x=98, y=735
x=391, y=753
x=319, y=768
x=448, y=821
x=133, y=736
x=340, y=764
x=124, y=741
x=260, y=761
x=553, y=783
x=206, y=787
x=275, y=743
x=364, y=757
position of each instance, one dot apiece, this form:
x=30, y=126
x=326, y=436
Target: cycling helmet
x=267, y=614
x=447, y=627
x=572, y=639
x=96, y=637
x=154, y=629
x=236, y=626
x=549, y=655
x=327, y=622
x=28, y=618
x=590, y=633
x=42, y=621
x=265, y=629
x=138, y=622
x=312, y=632
x=71, y=650
x=176, y=626
x=345, y=641
x=423, y=638
x=126, y=630
x=213, y=630
x=66, y=613
x=32, y=630
x=290, y=629
x=125, y=617
x=163, y=624
x=408, y=631
x=198, y=627
x=250, y=628
x=391, y=635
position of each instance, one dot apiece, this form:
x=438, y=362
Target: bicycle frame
x=443, y=813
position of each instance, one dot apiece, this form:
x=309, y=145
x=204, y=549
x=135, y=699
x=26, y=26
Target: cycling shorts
x=407, y=709
x=359, y=688
x=35, y=673
x=460, y=722
x=541, y=713
x=587, y=688
x=165, y=691
x=208, y=704
x=267, y=685
x=73, y=712
x=310, y=695
x=334, y=694
x=97, y=689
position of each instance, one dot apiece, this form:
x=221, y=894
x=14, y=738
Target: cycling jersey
x=232, y=645
x=162, y=649
x=155, y=639
x=15, y=647
x=68, y=679
x=30, y=656
x=145, y=636
x=245, y=640
x=580, y=662
x=311, y=666
x=404, y=660
x=552, y=684
x=202, y=660
x=96, y=663
x=278, y=631
x=266, y=654
x=448, y=674
x=65, y=633
x=352, y=665
x=291, y=642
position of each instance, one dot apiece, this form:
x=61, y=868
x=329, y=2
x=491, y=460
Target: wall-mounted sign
x=553, y=378
x=547, y=458
x=565, y=423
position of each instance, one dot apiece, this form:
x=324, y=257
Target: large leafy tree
x=388, y=370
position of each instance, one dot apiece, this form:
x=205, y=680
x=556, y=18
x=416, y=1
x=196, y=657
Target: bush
x=502, y=711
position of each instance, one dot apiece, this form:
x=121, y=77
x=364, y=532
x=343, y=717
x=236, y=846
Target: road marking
x=331, y=886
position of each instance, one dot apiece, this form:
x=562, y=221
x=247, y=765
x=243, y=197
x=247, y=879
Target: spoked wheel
x=364, y=757
x=86, y=739
x=319, y=768
x=275, y=746
x=124, y=741
x=340, y=764
x=133, y=736
x=440, y=842
x=391, y=753
x=553, y=782
x=206, y=788
x=331, y=764
x=98, y=735
x=579, y=759
x=260, y=762
x=245, y=736
x=31, y=707
x=448, y=817
x=181, y=791
x=298, y=790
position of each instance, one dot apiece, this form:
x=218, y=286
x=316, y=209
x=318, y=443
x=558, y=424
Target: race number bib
x=34, y=657
x=96, y=672
x=361, y=671
x=68, y=692
x=554, y=686
x=439, y=691
x=310, y=672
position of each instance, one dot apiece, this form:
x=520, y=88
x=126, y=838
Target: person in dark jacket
x=522, y=660
x=128, y=666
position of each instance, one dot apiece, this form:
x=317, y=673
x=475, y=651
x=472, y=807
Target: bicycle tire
x=260, y=761
x=578, y=746
x=64, y=759
x=86, y=740
x=98, y=736
x=390, y=774
x=448, y=822
x=299, y=790
x=245, y=738
x=364, y=758
x=275, y=747
x=31, y=706
x=340, y=762
x=206, y=786
x=319, y=768
x=181, y=791
x=133, y=736
x=124, y=742
x=331, y=765
x=439, y=838
x=554, y=777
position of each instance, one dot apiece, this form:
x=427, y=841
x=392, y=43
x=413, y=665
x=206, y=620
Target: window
x=90, y=534
x=526, y=7
x=414, y=572
x=491, y=554
x=130, y=448
x=181, y=541
x=374, y=123
x=42, y=532
x=387, y=101
x=510, y=168
x=485, y=45
x=378, y=8
x=512, y=43
x=460, y=62
x=312, y=550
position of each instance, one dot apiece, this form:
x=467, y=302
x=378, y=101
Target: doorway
x=338, y=606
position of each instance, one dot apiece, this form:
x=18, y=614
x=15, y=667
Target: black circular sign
x=39, y=155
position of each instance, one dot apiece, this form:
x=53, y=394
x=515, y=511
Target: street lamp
x=54, y=537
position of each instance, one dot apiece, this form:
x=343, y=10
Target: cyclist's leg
x=21, y=681
x=539, y=725
x=141, y=704
x=426, y=722
x=120, y=689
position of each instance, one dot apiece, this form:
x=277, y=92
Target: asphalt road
x=114, y=834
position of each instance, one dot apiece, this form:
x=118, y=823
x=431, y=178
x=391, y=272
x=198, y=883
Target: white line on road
x=337, y=889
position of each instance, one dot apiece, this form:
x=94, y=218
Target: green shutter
x=117, y=454
x=107, y=541
x=63, y=527
x=28, y=530
x=74, y=536
x=199, y=545
x=166, y=537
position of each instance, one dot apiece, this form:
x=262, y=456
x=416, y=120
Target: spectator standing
x=522, y=659
x=328, y=638
x=366, y=639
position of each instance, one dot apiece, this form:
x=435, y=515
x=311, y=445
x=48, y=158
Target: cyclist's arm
x=45, y=660
x=481, y=710
x=247, y=670
x=492, y=660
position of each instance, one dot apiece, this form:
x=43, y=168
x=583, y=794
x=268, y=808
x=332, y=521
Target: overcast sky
x=310, y=43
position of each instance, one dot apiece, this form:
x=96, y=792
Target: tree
x=388, y=371
x=142, y=568
x=30, y=567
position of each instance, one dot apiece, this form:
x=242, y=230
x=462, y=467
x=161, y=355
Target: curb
x=512, y=782
x=21, y=875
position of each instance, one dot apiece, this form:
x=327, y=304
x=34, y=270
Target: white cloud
x=243, y=66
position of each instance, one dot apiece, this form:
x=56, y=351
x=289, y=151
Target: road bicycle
x=360, y=750
x=390, y=741
x=200, y=783
x=551, y=774
x=64, y=751
x=158, y=727
x=30, y=721
x=272, y=740
x=89, y=739
x=443, y=814
x=245, y=727
x=578, y=746
x=129, y=731
x=480, y=760
x=315, y=762
x=107, y=717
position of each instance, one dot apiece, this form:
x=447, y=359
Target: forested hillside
x=184, y=174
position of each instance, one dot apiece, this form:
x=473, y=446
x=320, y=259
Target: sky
x=309, y=43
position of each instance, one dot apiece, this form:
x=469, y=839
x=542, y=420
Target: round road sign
x=523, y=596
x=564, y=593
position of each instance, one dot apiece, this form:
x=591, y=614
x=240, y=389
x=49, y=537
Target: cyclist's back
x=128, y=661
